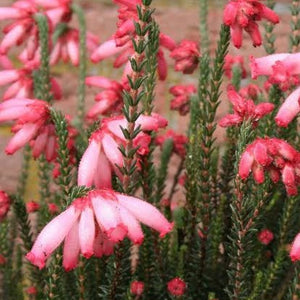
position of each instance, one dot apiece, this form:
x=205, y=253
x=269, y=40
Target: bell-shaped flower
x=91, y=225
x=244, y=109
x=242, y=15
x=103, y=155
x=186, y=56
x=110, y=100
x=182, y=96
x=274, y=156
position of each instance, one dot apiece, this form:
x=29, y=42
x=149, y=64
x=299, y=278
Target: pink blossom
x=250, y=91
x=295, y=250
x=274, y=156
x=244, y=109
x=243, y=14
x=103, y=154
x=176, y=286
x=234, y=61
x=108, y=101
x=31, y=290
x=179, y=141
x=4, y=205
x=53, y=208
x=186, y=56
x=137, y=287
x=90, y=225
x=289, y=109
x=265, y=236
x=2, y=260
x=32, y=206
x=21, y=83
x=67, y=46
x=182, y=94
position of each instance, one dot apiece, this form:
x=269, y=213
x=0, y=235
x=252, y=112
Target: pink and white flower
x=103, y=156
x=93, y=224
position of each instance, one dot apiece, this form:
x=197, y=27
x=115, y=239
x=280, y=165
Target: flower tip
x=35, y=261
x=168, y=229
x=280, y=122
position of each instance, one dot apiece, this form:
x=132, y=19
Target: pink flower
x=31, y=290
x=182, y=94
x=92, y=224
x=186, y=56
x=21, y=83
x=31, y=117
x=243, y=14
x=103, y=154
x=250, y=91
x=179, y=141
x=4, y=205
x=234, y=61
x=289, y=109
x=244, y=109
x=176, y=286
x=53, y=208
x=137, y=287
x=67, y=46
x=295, y=250
x=108, y=101
x=274, y=156
x=2, y=260
x=265, y=236
x=282, y=69
x=32, y=206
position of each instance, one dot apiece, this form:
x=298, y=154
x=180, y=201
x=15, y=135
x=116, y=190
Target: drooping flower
x=103, y=154
x=179, y=141
x=244, y=109
x=4, y=205
x=242, y=15
x=176, y=286
x=32, y=206
x=274, y=156
x=21, y=83
x=182, y=95
x=93, y=224
x=295, y=250
x=110, y=100
x=67, y=46
x=289, y=109
x=265, y=236
x=282, y=69
x=234, y=61
x=186, y=56
x=137, y=287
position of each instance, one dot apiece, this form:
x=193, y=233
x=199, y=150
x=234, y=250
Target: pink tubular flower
x=179, y=141
x=53, y=208
x=182, y=94
x=4, y=205
x=234, y=61
x=186, y=56
x=21, y=83
x=92, y=224
x=108, y=101
x=250, y=91
x=31, y=290
x=244, y=109
x=295, y=250
x=67, y=46
x=32, y=206
x=289, y=109
x=31, y=117
x=137, y=287
x=276, y=157
x=265, y=236
x=176, y=286
x=103, y=154
x=243, y=14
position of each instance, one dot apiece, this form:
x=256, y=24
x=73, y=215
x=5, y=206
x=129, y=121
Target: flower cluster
x=244, y=109
x=242, y=15
x=276, y=157
x=182, y=95
x=103, y=154
x=91, y=225
x=176, y=286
